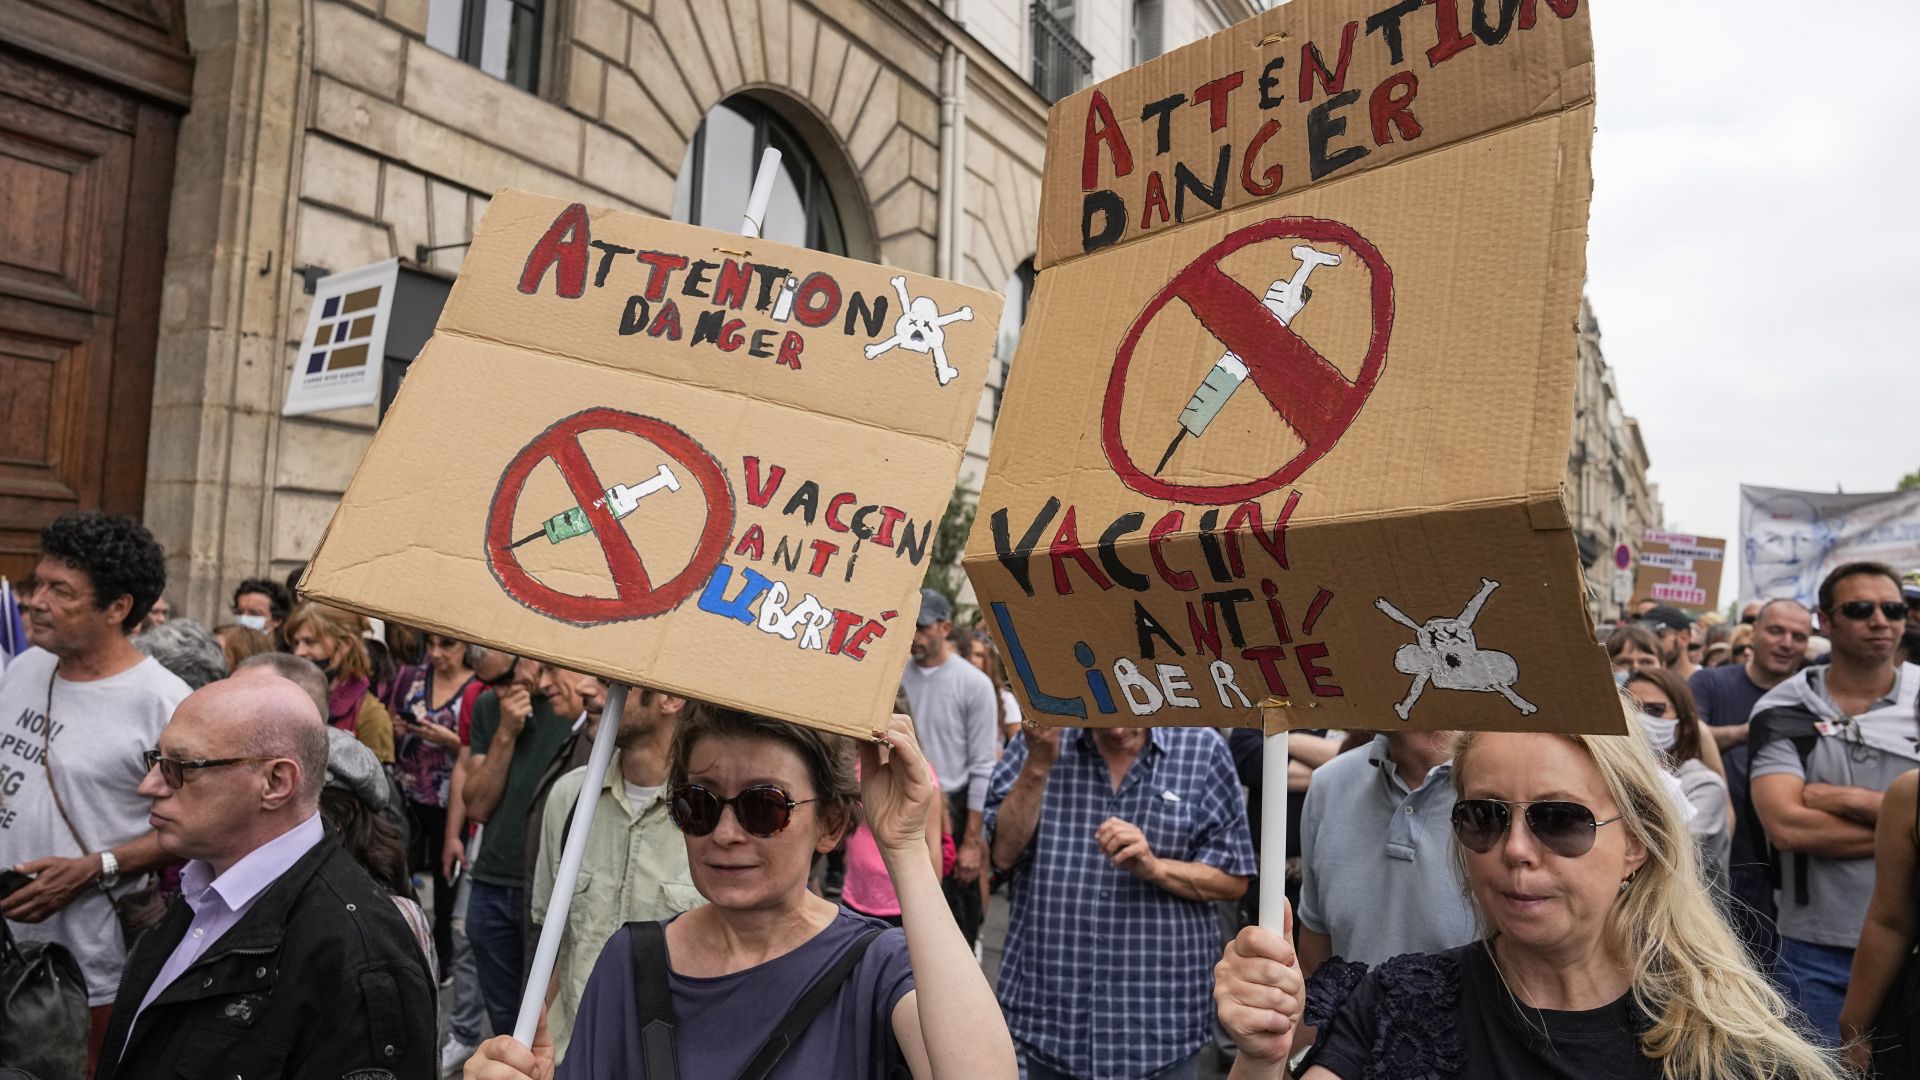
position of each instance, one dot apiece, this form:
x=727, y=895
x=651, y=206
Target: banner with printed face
x=1790, y=540
x=1291, y=410
x=1680, y=570
x=673, y=457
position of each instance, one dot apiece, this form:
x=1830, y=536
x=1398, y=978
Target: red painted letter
x=1215, y=95
x=1313, y=68
x=1446, y=20
x=1108, y=132
x=1269, y=180
x=565, y=243
x=1386, y=108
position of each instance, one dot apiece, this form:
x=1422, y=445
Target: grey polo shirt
x=1865, y=751
x=1378, y=873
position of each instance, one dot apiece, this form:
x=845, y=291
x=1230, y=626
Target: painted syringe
x=1284, y=298
x=620, y=500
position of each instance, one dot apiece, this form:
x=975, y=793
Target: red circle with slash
x=1308, y=392
x=638, y=597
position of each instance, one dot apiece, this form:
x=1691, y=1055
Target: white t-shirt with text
x=99, y=729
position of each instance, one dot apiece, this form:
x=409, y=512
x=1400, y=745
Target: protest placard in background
x=1790, y=540
x=673, y=457
x=1293, y=403
x=1680, y=570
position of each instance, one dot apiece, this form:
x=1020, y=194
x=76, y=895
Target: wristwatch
x=109, y=870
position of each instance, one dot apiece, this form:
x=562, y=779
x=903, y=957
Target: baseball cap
x=1666, y=617
x=1910, y=584
x=934, y=607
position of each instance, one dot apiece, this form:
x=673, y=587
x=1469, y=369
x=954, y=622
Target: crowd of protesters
x=289, y=845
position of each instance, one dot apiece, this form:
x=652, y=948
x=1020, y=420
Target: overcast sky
x=1754, y=243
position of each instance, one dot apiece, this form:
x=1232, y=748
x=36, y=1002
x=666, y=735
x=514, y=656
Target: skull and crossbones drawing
x=919, y=330
x=1445, y=653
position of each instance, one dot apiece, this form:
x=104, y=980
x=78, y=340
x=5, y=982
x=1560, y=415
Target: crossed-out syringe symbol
x=1284, y=298
x=620, y=500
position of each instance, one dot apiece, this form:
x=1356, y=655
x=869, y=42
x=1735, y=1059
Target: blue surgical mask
x=1620, y=678
x=252, y=622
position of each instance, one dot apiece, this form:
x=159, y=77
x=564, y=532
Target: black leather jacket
x=321, y=978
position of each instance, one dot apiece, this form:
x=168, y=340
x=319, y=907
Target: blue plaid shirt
x=1105, y=975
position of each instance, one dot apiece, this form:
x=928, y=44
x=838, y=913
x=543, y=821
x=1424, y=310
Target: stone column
x=225, y=297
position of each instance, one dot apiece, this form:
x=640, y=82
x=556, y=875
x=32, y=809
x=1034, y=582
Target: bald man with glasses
x=282, y=957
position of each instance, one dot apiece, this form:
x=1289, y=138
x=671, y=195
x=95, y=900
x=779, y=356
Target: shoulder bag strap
x=655, y=998
x=46, y=762
x=804, y=1011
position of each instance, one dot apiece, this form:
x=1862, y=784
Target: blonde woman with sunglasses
x=1602, y=956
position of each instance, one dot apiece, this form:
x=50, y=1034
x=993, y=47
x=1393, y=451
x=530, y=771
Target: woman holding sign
x=767, y=978
x=1603, y=955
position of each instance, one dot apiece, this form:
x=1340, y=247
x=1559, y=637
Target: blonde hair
x=337, y=626
x=1713, y=1014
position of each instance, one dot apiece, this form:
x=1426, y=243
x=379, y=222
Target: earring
x=1624, y=882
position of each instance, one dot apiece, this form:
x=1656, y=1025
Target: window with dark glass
x=717, y=175
x=1061, y=64
x=500, y=37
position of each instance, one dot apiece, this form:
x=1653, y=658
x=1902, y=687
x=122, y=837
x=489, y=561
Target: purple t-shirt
x=720, y=1023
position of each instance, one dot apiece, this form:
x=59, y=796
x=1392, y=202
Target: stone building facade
x=1609, y=496
x=330, y=134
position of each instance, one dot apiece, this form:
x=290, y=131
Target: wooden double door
x=90, y=99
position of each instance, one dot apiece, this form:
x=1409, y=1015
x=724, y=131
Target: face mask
x=252, y=622
x=1659, y=731
x=1619, y=678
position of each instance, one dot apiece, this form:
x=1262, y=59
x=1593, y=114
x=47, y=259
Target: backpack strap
x=655, y=998
x=804, y=1011
x=1799, y=726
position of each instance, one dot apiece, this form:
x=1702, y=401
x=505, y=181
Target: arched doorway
x=815, y=201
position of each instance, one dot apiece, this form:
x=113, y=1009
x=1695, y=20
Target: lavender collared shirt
x=219, y=902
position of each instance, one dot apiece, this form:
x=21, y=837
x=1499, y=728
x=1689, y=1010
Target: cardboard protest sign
x=1293, y=402
x=1680, y=570
x=673, y=457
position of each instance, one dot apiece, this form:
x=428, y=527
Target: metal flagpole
x=533, y=1001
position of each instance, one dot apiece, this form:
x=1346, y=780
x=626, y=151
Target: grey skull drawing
x=1445, y=654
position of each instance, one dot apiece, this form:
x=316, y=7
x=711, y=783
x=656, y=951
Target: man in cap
x=1910, y=592
x=1675, y=630
x=956, y=712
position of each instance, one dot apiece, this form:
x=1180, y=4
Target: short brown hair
x=335, y=625
x=829, y=758
x=1631, y=634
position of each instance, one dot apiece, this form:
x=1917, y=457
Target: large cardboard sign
x=1790, y=540
x=673, y=457
x=1292, y=406
x=1681, y=570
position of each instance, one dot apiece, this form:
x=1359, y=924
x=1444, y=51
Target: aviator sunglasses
x=1564, y=828
x=762, y=810
x=1862, y=610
